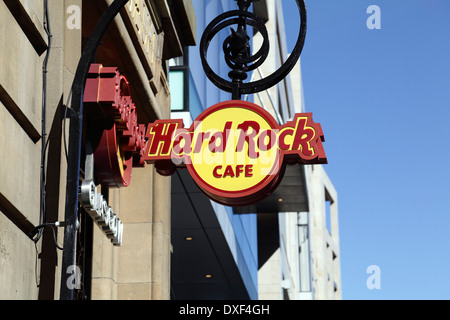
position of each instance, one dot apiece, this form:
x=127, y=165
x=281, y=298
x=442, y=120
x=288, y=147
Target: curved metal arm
x=75, y=135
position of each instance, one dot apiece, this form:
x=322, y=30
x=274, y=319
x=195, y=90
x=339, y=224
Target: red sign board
x=235, y=150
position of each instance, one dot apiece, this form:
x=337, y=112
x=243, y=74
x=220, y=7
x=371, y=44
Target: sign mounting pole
x=74, y=158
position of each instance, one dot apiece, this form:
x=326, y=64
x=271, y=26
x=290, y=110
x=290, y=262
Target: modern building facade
x=214, y=250
x=142, y=235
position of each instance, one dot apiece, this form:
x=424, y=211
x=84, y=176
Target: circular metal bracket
x=236, y=50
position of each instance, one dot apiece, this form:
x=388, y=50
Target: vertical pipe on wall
x=44, y=114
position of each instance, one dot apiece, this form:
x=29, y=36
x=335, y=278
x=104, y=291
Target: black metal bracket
x=237, y=50
x=75, y=137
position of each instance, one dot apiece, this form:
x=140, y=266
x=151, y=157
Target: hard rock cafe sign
x=235, y=150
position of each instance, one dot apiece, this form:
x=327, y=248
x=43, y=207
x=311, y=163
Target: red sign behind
x=122, y=140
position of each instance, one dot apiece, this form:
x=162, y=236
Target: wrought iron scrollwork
x=237, y=52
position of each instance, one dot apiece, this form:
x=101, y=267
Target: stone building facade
x=42, y=44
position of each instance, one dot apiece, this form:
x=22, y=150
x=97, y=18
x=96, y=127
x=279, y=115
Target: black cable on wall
x=44, y=140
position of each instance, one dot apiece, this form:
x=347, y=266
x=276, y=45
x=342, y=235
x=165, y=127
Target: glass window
x=179, y=82
x=177, y=85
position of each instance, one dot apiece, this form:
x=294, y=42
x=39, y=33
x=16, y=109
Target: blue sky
x=383, y=100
